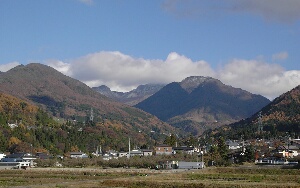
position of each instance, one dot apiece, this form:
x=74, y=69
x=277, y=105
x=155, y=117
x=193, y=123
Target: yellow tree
x=13, y=141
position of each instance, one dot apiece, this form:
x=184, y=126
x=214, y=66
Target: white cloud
x=269, y=80
x=8, y=66
x=59, y=65
x=280, y=56
x=121, y=72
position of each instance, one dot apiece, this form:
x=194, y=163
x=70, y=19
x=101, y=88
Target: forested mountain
x=132, y=97
x=27, y=128
x=199, y=103
x=280, y=117
x=71, y=102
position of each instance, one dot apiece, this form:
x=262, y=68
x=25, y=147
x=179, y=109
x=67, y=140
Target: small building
x=187, y=165
x=123, y=154
x=75, y=155
x=184, y=149
x=147, y=152
x=18, y=160
x=233, y=145
x=2, y=155
x=286, y=151
x=163, y=150
x=136, y=152
x=106, y=157
x=12, y=125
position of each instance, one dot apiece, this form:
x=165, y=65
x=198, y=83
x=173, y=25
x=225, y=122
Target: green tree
x=249, y=153
x=171, y=140
x=222, y=148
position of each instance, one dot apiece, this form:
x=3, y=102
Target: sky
x=248, y=44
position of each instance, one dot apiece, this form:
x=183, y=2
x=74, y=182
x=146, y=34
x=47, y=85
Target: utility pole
x=128, y=149
x=288, y=143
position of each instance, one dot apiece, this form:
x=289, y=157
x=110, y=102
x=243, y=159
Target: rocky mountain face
x=278, y=118
x=132, y=97
x=199, y=103
x=70, y=99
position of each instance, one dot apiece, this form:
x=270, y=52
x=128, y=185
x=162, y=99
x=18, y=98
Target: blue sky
x=250, y=44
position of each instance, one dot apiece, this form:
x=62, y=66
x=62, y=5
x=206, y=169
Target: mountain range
x=192, y=105
x=132, y=97
x=61, y=114
x=198, y=103
x=69, y=99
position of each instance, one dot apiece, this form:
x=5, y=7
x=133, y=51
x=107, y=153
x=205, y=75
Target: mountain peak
x=198, y=103
x=148, y=88
x=192, y=82
x=104, y=88
x=132, y=97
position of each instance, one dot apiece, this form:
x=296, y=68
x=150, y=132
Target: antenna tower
x=92, y=115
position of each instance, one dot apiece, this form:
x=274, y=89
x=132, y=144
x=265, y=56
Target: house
x=2, y=155
x=106, y=157
x=123, y=154
x=147, y=152
x=295, y=142
x=136, y=152
x=12, y=125
x=184, y=149
x=233, y=145
x=163, y=150
x=286, y=151
x=111, y=154
x=75, y=155
x=188, y=165
x=18, y=160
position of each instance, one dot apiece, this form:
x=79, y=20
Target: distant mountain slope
x=199, y=103
x=132, y=97
x=279, y=117
x=67, y=98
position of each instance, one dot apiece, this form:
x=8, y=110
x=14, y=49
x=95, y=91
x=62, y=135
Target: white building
x=2, y=155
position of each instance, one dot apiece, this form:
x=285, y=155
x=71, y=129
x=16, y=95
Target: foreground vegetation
x=119, y=177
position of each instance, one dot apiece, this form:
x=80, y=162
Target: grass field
x=96, y=177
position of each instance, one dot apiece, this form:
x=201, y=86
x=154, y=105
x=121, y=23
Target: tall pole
x=128, y=149
x=201, y=159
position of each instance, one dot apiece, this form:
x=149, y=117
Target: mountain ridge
x=69, y=99
x=204, y=102
x=131, y=97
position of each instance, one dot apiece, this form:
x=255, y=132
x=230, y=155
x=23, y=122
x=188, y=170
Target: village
x=266, y=152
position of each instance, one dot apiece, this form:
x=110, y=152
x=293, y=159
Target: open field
x=96, y=177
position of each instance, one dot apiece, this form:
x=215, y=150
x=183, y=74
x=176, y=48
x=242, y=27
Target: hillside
x=279, y=117
x=68, y=99
x=16, y=111
x=132, y=97
x=200, y=103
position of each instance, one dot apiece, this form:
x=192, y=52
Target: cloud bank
x=284, y=11
x=121, y=72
